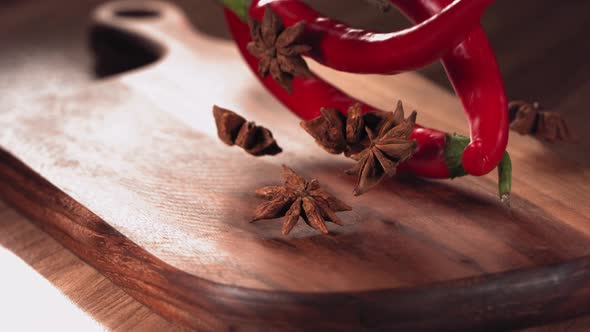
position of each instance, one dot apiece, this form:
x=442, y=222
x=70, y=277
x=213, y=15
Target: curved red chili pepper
x=471, y=65
x=341, y=47
x=474, y=73
x=431, y=158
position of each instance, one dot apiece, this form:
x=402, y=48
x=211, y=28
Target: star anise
x=377, y=140
x=234, y=129
x=299, y=198
x=328, y=130
x=531, y=119
x=278, y=48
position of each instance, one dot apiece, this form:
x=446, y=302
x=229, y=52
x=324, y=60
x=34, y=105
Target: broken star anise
x=299, y=198
x=531, y=119
x=234, y=129
x=377, y=140
x=278, y=48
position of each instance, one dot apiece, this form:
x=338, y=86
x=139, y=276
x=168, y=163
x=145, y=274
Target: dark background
x=543, y=46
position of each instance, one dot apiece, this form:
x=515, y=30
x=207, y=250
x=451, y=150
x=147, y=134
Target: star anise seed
x=233, y=129
x=291, y=217
x=270, y=191
x=278, y=48
x=299, y=198
x=312, y=215
x=273, y=208
x=355, y=125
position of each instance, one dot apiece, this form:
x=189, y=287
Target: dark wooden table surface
x=542, y=48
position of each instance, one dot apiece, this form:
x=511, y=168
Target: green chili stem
x=505, y=178
x=455, y=144
x=239, y=7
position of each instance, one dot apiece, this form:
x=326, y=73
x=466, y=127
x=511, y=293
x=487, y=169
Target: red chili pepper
x=341, y=47
x=471, y=65
x=474, y=72
x=438, y=154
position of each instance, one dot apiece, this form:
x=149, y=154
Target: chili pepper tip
x=505, y=199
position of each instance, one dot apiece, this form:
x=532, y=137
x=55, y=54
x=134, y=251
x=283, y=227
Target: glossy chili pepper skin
x=311, y=94
x=429, y=160
x=474, y=73
x=341, y=47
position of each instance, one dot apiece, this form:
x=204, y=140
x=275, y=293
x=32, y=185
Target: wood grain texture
x=156, y=168
x=72, y=278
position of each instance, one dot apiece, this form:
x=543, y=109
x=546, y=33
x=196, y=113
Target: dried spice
x=299, y=198
x=278, y=48
x=233, y=129
x=383, y=5
x=355, y=124
x=328, y=130
x=531, y=119
x=377, y=140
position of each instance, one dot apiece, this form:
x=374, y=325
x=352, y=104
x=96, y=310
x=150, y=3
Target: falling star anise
x=278, y=48
x=233, y=129
x=531, y=119
x=377, y=140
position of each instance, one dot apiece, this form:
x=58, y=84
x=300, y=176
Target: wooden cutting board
x=128, y=175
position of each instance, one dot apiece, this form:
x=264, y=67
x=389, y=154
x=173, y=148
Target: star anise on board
x=234, y=129
x=299, y=198
x=278, y=48
x=531, y=119
x=377, y=140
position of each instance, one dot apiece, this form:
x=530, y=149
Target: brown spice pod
x=531, y=119
x=233, y=129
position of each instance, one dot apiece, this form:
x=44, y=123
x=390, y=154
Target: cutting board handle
x=128, y=35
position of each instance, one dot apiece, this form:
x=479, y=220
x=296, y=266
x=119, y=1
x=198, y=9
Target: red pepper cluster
x=445, y=29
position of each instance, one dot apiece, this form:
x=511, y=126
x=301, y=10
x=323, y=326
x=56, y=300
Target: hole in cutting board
x=140, y=13
x=117, y=52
